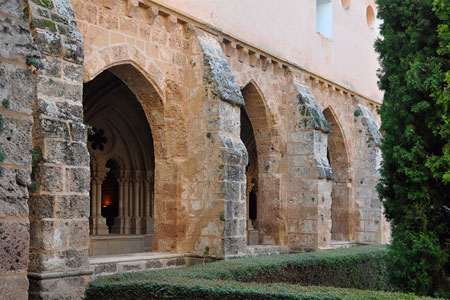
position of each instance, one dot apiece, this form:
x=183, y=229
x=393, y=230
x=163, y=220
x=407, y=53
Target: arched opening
x=263, y=182
x=251, y=172
x=121, y=146
x=340, y=193
x=370, y=16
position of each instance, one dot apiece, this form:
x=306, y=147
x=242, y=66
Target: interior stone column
x=120, y=220
x=126, y=203
x=249, y=189
x=136, y=219
x=147, y=222
x=97, y=222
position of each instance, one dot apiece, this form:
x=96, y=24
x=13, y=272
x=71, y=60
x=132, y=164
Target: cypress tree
x=415, y=173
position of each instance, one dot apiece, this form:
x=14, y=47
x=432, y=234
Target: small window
x=345, y=4
x=324, y=18
x=370, y=16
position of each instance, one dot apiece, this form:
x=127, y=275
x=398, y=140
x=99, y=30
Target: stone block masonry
x=316, y=144
x=60, y=169
x=17, y=85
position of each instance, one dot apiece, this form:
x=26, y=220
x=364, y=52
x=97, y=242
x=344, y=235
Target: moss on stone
x=6, y=103
x=1, y=124
x=32, y=187
x=2, y=154
x=42, y=12
x=44, y=3
x=43, y=23
x=59, y=19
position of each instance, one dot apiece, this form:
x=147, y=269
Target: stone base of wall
x=58, y=285
x=110, y=264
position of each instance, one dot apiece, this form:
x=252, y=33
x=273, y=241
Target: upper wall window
x=324, y=17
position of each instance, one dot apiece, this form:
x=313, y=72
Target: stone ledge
x=132, y=257
x=52, y=275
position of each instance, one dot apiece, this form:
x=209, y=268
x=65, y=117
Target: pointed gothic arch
x=263, y=184
x=338, y=156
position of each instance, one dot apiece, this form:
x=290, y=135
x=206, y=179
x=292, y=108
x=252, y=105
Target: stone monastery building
x=140, y=134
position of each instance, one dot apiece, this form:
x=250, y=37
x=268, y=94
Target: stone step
x=340, y=244
x=134, y=262
x=260, y=250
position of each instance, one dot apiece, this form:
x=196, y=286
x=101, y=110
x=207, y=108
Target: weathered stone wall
x=17, y=98
x=191, y=81
x=59, y=201
x=221, y=154
x=371, y=226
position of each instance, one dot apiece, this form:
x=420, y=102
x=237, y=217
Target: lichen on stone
x=218, y=76
x=310, y=107
x=372, y=130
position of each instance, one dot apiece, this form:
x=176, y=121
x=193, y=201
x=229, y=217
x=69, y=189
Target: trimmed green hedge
x=253, y=278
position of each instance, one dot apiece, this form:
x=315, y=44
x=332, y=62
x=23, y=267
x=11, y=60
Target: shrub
x=270, y=277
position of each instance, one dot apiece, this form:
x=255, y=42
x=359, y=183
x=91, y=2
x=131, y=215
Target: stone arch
x=338, y=156
x=268, y=193
x=120, y=55
x=151, y=97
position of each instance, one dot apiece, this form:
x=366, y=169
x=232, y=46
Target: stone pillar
x=126, y=203
x=97, y=222
x=59, y=263
x=136, y=217
x=17, y=93
x=121, y=220
x=147, y=221
x=217, y=199
x=372, y=226
x=310, y=175
x=247, y=193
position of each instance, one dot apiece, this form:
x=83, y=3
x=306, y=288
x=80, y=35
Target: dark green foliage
x=416, y=198
x=6, y=103
x=361, y=267
x=440, y=164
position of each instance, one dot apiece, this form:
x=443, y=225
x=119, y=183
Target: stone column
x=119, y=221
x=136, y=219
x=59, y=263
x=126, y=203
x=98, y=223
x=18, y=84
x=147, y=222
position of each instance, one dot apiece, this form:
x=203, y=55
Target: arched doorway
x=260, y=136
x=337, y=154
x=251, y=172
x=122, y=168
